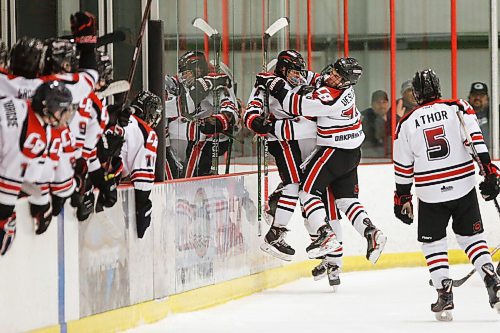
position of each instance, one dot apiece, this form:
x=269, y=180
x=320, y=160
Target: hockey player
x=430, y=150
x=290, y=140
x=197, y=117
x=335, y=160
x=3, y=55
x=138, y=154
x=25, y=122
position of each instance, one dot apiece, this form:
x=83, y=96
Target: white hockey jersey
x=430, y=150
x=286, y=126
x=337, y=117
x=139, y=153
x=23, y=139
x=80, y=84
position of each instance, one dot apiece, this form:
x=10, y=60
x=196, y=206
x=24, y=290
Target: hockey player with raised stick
x=26, y=123
x=290, y=140
x=430, y=150
x=195, y=112
x=335, y=160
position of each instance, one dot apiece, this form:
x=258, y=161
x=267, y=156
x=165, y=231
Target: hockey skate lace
x=281, y=239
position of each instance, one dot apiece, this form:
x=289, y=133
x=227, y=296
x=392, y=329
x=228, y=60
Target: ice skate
x=325, y=243
x=444, y=304
x=376, y=242
x=319, y=271
x=492, y=282
x=275, y=245
x=333, y=276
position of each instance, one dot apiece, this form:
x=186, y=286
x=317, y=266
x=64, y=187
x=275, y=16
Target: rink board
x=202, y=249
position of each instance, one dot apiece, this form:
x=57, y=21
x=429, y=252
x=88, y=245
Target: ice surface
x=394, y=300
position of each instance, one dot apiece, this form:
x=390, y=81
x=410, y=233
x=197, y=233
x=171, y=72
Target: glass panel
x=36, y=18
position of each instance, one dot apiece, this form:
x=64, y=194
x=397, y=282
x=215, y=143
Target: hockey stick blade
x=204, y=26
x=116, y=87
x=457, y=283
x=277, y=26
x=113, y=37
x=271, y=64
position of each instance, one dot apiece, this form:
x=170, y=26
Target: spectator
x=407, y=101
x=479, y=100
x=376, y=126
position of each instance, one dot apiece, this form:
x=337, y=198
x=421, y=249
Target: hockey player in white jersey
x=430, y=150
x=335, y=160
x=139, y=154
x=24, y=140
x=290, y=140
x=197, y=118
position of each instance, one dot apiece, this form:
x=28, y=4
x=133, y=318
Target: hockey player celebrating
x=138, y=154
x=335, y=160
x=196, y=115
x=429, y=151
x=290, y=139
x=25, y=122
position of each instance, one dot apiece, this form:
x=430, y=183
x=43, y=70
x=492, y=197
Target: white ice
x=394, y=300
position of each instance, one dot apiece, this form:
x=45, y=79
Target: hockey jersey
x=286, y=126
x=430, y=150
x=80, y=84
x=23, y=140
x=139, y=153
x=337, y=117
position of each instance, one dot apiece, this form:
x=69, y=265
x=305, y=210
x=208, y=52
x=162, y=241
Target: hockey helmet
x=53, y=100
x=426, y=87
x=148, y=107
x=105, y=69
x=60, y=56
x=348, y=69
x=192, y=65
x=25, y=57
x=291, y=60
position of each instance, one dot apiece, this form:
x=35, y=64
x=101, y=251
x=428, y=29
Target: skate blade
x=496, y=306
x=445, y=315
x=330, y=246
x=375, y=255
x=335, y=289
x=270, y=250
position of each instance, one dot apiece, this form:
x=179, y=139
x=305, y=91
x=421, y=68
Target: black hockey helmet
x=348, y=69
x=426, y=87
x=52, y=99
x=290, y=60
x=3, y=54
x=25, y=57
x=148, y=107
x=61, y=56
x=193, y=60
x=105, y=69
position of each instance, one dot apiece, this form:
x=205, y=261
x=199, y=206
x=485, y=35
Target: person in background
x=375, y=125
x=480, y=101
x=407, y=101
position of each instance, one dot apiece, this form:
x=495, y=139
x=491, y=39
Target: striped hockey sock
x=477, y=250
x=436, y=256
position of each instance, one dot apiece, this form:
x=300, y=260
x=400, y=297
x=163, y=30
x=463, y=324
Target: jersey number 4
x=438, y=146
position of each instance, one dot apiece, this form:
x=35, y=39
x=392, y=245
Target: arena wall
x=202, y=249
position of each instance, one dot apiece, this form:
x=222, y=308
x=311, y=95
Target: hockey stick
x=202, y=25
x=459, y=282
x=116, y=87
x=271, y=64
x=271, y=31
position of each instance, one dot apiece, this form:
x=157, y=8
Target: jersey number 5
x=438, y=146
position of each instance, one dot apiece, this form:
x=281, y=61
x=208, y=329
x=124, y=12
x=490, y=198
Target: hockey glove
x=7, y=233
x=57, y=204
x=84, y=204
x=143, y=208
x=42, y=216
x=107, y=183
x=260, y=125
x=403, y=207
x=83, y=28
x=489, y=187
x=110, y=145
x=263, y=80
x=217, y=81
x=214, y=124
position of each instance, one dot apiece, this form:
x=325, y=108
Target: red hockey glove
x=7, y=233
x=83, y=28
x=214, y=124
x=217, y=81
x=260, y=126
x=489, y=187
x=42, y=216
x=403, y=207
